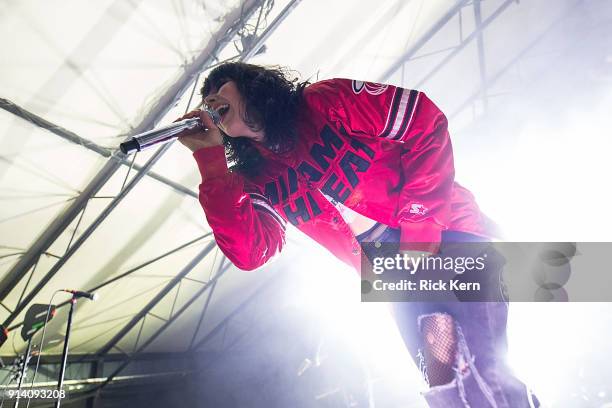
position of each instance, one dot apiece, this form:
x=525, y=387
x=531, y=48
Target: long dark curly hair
x=272, y=97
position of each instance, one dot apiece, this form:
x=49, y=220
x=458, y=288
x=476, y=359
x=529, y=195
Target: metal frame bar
x=96, y=370
x=91, y=393
x=104, y=350
x=93, y=381
x=222, y=325
x=86, y=234
x=153, y=302
x=54, y=230
x=260, y=289
x=482, y=63
x=270, y=29
x=55, y=359
x=66, y=134
x=466, y=41
x=58, y=226
x=437, y=26
x=144, y=345
x=209, y=285
x=128, y=272
x=206, y=304
x=99, y=35
x=494, y=78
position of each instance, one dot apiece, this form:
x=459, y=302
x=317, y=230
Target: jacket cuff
x=211, y=161
x=424, y=236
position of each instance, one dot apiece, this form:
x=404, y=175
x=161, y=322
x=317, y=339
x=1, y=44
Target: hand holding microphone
x=195, y=130
x=205, y=136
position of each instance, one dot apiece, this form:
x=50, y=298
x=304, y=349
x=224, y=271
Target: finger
x=188, y=137
x=193, y=114
x=207, y=120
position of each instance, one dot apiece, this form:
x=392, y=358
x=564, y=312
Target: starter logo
x=419, y=209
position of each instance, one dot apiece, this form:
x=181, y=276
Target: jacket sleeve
x=246, y=227
x=410, y=118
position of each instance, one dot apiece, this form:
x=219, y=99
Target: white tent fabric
x=98, y=68
x=94, y=71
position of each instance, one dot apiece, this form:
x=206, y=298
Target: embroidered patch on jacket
x=370, y=87
x=418, y=209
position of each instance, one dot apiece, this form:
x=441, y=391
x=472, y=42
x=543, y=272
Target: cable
x=11, y=378
x=248, y=32
x=13, y=371
x=42, y=339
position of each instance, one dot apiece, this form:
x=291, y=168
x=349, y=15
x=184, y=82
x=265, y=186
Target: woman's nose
x=210, y=99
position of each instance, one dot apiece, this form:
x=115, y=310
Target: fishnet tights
x=440, y=344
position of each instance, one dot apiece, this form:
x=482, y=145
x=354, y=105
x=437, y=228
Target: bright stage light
x=331, y=290
x=551, y=345
x=545, y=177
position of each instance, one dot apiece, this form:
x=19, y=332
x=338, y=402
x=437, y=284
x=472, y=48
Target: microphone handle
x=167, y=133
x=81, y=294
x=158, y=136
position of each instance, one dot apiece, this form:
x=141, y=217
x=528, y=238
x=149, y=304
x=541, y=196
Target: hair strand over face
x=271, y=104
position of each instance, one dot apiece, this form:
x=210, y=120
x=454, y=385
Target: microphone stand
x=60, y=380
x=26, y=358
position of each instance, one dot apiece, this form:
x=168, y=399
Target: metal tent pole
x=60, y=378
x=56, y=228
x=423, y=40
x=26, y=115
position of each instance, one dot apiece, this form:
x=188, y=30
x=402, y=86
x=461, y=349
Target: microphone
x=165, y=134
x=80, y=294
